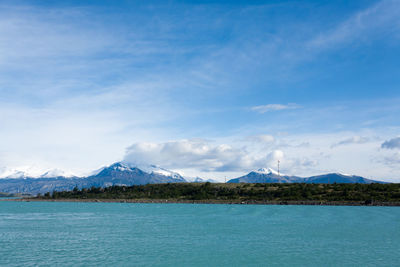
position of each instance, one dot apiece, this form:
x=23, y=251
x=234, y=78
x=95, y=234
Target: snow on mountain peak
x=267, y=171
x=159, y=170
x=16, y=174
x=149, y=168
x=56, y=173
x=120, y=167
x=343, y=174
x=12, y=173
x=32, y=172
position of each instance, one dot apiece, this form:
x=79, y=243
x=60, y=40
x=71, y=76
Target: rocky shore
x=216, y=201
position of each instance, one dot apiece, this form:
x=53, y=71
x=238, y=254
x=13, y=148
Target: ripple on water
x=123, y=234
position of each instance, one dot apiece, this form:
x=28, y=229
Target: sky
x=206, y=88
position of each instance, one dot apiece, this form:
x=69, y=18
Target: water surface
x=126, y=234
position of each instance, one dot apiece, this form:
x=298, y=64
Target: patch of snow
x=193, y=179
x=122, y=169
x=267, y=171
x=17, y=174
x=32, y=172
x=56, y=173
x=344, y=174
x=200, y=180
x=154, y=169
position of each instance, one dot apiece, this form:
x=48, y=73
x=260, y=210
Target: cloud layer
x=196, y=154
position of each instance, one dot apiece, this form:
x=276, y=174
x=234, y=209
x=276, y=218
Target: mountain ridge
x=272, y=176
x=118, y=173
x=122, y=173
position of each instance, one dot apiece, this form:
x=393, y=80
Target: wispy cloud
x=381, y=18
x=274, y=107
x=352, y=140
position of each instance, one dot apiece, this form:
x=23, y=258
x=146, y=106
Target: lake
x=124, y=234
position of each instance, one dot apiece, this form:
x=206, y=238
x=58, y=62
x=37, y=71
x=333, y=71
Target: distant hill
x=271, y=176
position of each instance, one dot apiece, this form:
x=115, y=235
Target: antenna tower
x=278, y=168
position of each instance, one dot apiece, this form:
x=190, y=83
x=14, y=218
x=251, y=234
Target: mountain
x=271, y=176
x=14, y=174
x=339, y=178
x=265, y=176
x=38, y=185
x=56, y=173
x=201, y=180
x=116, y=174
x=122, y=173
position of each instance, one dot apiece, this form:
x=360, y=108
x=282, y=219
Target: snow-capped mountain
x=268, y=175
x=153, y=169
x=267, y=171
x=56, y=173
x=200, y=180
x=121, y=173
x=126, y=174
x=116, y=174
x=16, y=174
x=11, y=173
x=28, y=172
x=265, y=175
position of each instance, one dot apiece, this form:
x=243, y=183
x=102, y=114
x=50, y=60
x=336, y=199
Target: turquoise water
x=123, y=234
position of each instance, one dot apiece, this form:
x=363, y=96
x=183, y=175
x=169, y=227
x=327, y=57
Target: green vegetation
x=238, y=193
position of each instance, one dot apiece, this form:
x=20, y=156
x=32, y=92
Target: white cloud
x=217, y=159
x=274, y=156
x=274, y=107
x=196, y=154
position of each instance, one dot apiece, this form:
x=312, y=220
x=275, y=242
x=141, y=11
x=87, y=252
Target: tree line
x=239, y=192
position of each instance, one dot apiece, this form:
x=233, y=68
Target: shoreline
x=232, y=202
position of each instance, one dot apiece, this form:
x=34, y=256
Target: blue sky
x=206, y=88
